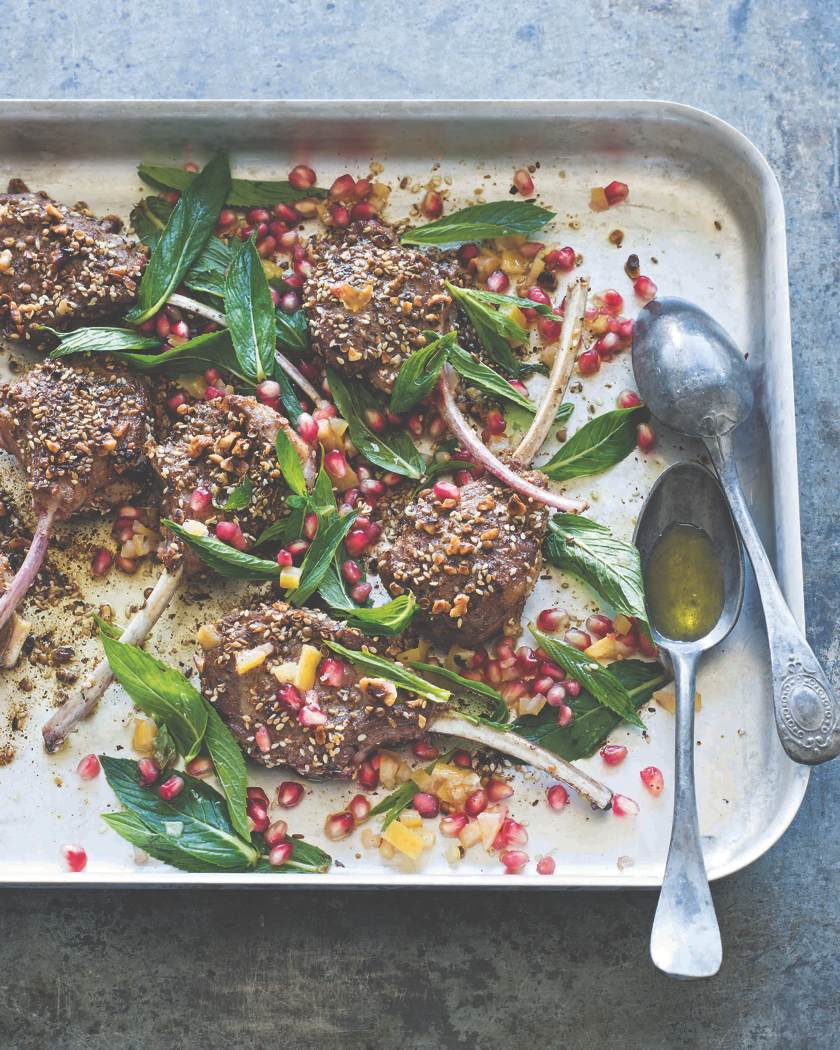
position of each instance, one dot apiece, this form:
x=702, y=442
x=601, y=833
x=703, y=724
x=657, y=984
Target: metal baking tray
x=706, y=207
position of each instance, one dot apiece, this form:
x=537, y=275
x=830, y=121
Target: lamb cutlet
x=59, y=265
x=470, y=563
x=325, y=730
x=368, y=301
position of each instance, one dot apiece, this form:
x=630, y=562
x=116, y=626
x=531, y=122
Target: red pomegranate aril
x=629, y=399
x=426, y=805
x=462, y=757
x=556, y=695
x=552, y=670
x=310, y=525
x=362, y=211
x=286, y=242
x=362, y=189
x=336, y=463
x=297, y=548
x=545, y=866
x=351, y=572
x=523, y=182
x=266, y=246
x=496, y=422
x=340, y=216
x=147, y=772
x=607, y=345
x=200, y=499
x=312, y=716
x=588, y=362
x=331, y=673
x=280, y=854
x=512, y=833
x=126, y=565
x=226, y=219
x=288, y=696
x=257, y=815
x=162, y=326
x=75, y=856
x=355, y=542
x=572, y=687
x=565, y=716
x=375, y=420
x=561, y=259
x=610, y=301
x=212, y=393
x=285, y=214
x=436, y=428
x=558, y=797
x=551, y=620
x=653, y=780
x=174, y=402
x=88, y=768
x=269, y=390
x=624, y=807
x=452, y=826
x=498, y=281
x=101, y=562
x=550, y=328
x=257, y=794
x=615, y=192
x=446, y=490
x=537, y=295
x=359, y=807
x=476, y=803
x=171, y=788
x=493, y=673
x=466, y=253
x=368, y=776
x=179, y=333
x=364, y=471
x=275, y=833
x=360, y=592
x=579, y=639
x=599, y=626
x=199, y=767
x=613, y=754
x=432, y=205
x=302, y=177
x=307, y=428
x=289, y=303
x=462, y=477
x=229, y=532
x=505, y=650
x=339, y=826
x=289, y=794
x=514, y=860
x=645, y=437
x=497, y=790
x=343, y=187
x=624, y=330
x=414, y=423
x=644, y=288
x=526, y=657
x=284, y=558
x=372, y=487
x=424, y=751
x=645, y=647
x=542, y=685
x=262, y=738
x=258, y=215
x=479, y=658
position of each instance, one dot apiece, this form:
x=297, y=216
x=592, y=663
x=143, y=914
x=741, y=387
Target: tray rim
x=788, y=530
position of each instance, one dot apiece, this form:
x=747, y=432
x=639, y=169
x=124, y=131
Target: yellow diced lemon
x=603, y=649
x=418, y=655
x=250, y=659
x=411, y=819
x=403, y=839
x=308, y=662
x=598, y=199
x=195, y=528
x=286, y=673
x=622, y=625
x=513, y=313
x=666, y=698
x=489, y=823
x=145, y=731
x=208, y=637
x=290, y=577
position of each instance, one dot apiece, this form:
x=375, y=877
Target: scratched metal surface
x=248, y=970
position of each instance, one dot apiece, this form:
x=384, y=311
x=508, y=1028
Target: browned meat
x=362, y=714
x=79, y=428
x=211, y=448
x=471, y=564
x=59, y=265
x=368, y=300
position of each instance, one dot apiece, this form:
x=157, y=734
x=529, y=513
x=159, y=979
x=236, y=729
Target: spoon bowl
x=685, y=940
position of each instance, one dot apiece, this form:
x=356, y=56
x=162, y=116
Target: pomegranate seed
x=75, y=856
x=351, y=572
x=523, y=182
x=289, y=303
x=200, y=499
x=266, y=246
x=331, y=673
x=426, y=805
x=537, y=295
x=452, y=825
x=565, y=716
x=462, y=757
x=289, y=794
x=269, y=390
x=362, y=189
x=375, y=420
x=360, y=592
x=545, y=866
x=229, y=532
x=162, y=327
x=312, y=716
x=645, y=647
x=179, y=333
x=258, y=215
x=624, y=330
x=467, y=252
x=526, y=657
x=607, y=345
x=355, y=541
x=307, y=428
x=257, y=815
x=171, y=788
x=335, y=462
x=280, y=854
x=339, y=825
x=101, y=562
x=598, y=625
x=560, y=259
x=257, y=794
x=284, y=558
x=645, y=437
x=287, y=242
x=262, y=738
x=543, y=685
x=212, y=393
x=613, y=754
x=558, y=797
x=226, y=219
x=579, y=639
x=88, y=768
x=423, y=750
x=653, y=780
x=174, y=402
x=476, y=803
x=549, y=328
x=340, y=216
x=302, y=178
x=432, y=205
x=362, y=211
x=498, y=281
x=275, y=833
x=414, y=422
x=445, y=490
x=436, y=428
x=615, y=192
x=310, y=525
x=368, y=776
x=372, y=487
x=552, y=620
x=200, y=767
x=497, y=790
x=629, y=399
x=285, y=214
x=644, y=288
x=505, y=650
x=588, y=362
x=625, y=807
x=147, y=772
x=359, y=807
x=343, y=187
x=514, y=859
x=556, y=695
x=297, y=548
x=496, y=422
x=493, y=673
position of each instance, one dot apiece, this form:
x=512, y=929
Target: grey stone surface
x=305, y=970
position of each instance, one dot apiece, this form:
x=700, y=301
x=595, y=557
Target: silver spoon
x=695, y=380
x=685, y=940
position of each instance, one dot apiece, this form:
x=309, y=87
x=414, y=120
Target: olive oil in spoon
x=684, y=586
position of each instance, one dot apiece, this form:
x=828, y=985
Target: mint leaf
x=601, y=443
x=417, y=377
x=391, y=672
x=481, y=222
x=100, y=341
x=244, y=193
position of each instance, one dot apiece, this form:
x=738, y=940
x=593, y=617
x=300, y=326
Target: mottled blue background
x=384, y=970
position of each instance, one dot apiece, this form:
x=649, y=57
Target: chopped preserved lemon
x=489, y=823
x=456, y=650
x=195, y=528
x=598, y=199
x=603, y=649
x=666, y=698
x=513, y=263
x=308, y=662
x=286, y=673
x=403, y=839
x=194, y=384
x=418, y=655
x=355, y=299
x=250, y=659
x=208, y=637
x=622, y=625
x=290, y=577
x=411, y=819
x=513, y=313
x=145, y=731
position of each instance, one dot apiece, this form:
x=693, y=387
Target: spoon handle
x=806, y=707
x=685, y=940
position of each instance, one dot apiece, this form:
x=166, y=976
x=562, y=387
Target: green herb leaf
x=233, y=564
x=601, y=683
x=331, y=531
x=214, y=350
x=499, y=719
x=230, y=768
x=419, y=374
x=491, y=327
x=387, y=620
x=305, y=857
x=250, y=312
x=481, y=222
x=485, y=379
x=207, y=273
x=290, y=465
x=396, y=452
x=244, y=193
x=401, y=799
x=100, y=341
x=149, y=219
x=159, y=692
x=611, y=567
x=292, y=331
x=593, y=721
x=481, y=295
x=166, y=750
x=240, y=497
x=207, y=834
x=599, y=444
x=190, y=225
x=392, y=672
